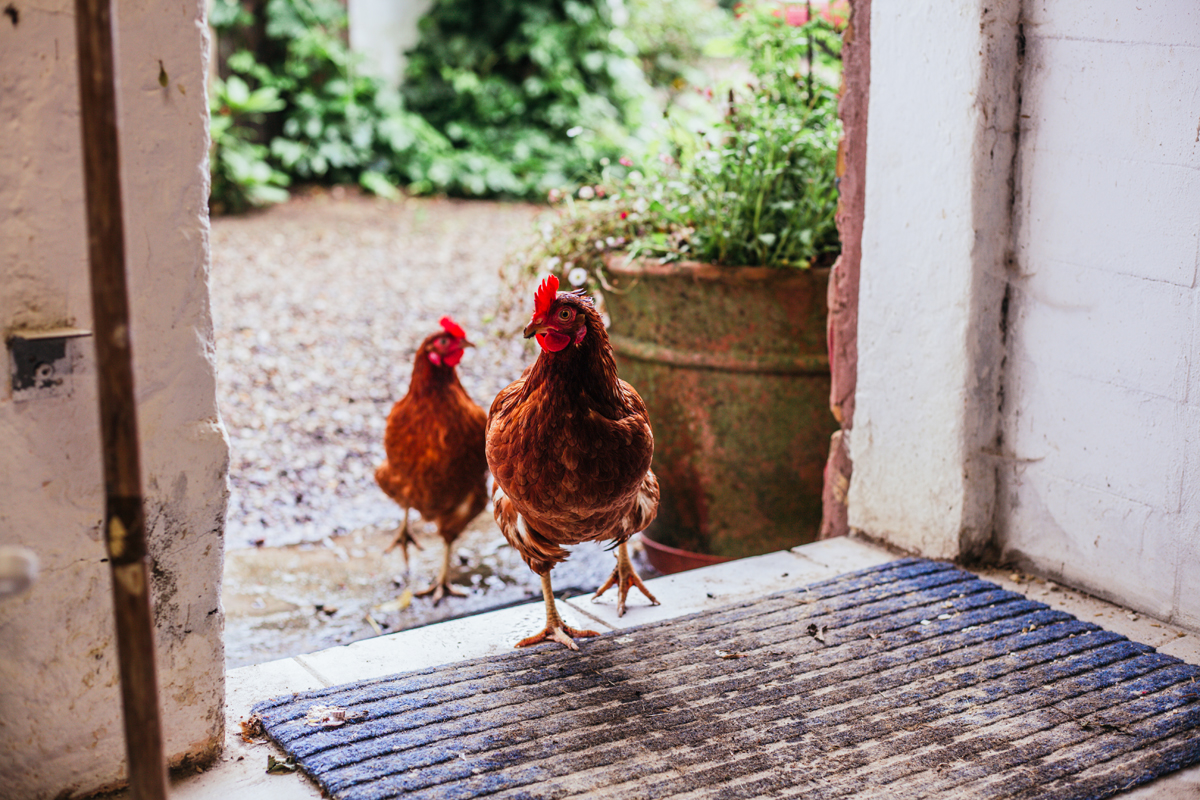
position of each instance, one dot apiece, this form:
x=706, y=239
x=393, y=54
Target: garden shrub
x=501, y=99
x=531, y=93
x=333, y=124
x=757, y=188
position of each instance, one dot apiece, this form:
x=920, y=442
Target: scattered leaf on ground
x=399, y=604
x=252, y=729
x=332, y=716
x=277, y=766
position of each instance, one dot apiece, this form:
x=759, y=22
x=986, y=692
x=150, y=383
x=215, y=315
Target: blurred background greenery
x=523, y=99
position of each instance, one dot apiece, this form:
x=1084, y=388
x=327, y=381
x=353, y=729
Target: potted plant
x=712, y=258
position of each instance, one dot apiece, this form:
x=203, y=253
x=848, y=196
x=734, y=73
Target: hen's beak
x=534, y=328
x=466, y=343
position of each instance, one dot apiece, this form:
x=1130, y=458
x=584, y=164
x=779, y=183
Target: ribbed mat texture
x=912, y=679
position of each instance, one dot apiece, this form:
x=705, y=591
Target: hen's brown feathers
x=435, y=449
x=570, y=445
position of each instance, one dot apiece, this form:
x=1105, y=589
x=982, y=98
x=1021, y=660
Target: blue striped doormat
x=910, y=680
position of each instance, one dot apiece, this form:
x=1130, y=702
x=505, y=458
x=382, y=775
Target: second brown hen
x=435, y=449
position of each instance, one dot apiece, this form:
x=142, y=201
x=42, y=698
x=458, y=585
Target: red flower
x=624, y=214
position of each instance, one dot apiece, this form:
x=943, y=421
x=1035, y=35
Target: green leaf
x=377, y=183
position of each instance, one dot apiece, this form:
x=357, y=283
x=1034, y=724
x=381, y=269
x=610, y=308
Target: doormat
x=911, y=679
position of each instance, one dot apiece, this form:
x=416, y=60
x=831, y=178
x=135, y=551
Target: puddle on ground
x=284, y=601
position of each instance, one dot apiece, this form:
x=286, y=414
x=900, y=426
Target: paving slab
x=493, y=633
x=240, y=771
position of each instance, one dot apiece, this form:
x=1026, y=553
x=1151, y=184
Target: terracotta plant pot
x=733, y=365
x=669, y=560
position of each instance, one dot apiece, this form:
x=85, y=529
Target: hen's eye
x=565, y=314
x=443, y=341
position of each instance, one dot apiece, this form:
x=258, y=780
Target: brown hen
x=569, y=446
x=434, y=444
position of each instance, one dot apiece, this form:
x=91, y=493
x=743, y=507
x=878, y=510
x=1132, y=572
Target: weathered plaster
x=60, y=718
x=942, y=112
x=1101, y=467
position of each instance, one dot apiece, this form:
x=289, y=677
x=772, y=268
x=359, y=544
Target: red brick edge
x=844, y=280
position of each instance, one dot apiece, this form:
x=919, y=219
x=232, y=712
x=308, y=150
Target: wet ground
x=284, y=601
x=318, y=307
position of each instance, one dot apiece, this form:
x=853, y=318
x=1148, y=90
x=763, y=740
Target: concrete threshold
x=240, y=772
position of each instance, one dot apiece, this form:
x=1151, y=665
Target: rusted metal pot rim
x=669, y=560
x=622, y=264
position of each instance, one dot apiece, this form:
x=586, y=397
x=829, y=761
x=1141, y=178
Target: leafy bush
x=509, y=98
x=758, y=188
x=671, y=38
x=336, y=124
x=530, y=92
x=241, y=176
x=764, y=190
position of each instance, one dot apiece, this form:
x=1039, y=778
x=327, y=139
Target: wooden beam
x=125, y=528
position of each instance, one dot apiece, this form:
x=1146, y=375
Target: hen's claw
x=556, y=630
x=624, y=577
x=439, y=590
x=403, y=538
x=442, y=585
x=563, y=634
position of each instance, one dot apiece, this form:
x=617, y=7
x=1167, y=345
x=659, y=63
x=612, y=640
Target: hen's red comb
x=452, y=328
x=544, y=297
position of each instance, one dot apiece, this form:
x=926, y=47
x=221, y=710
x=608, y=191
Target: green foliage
x=336, y=124
x=531, y=93
x=764, y=190
x=757, y=188
x=671, y=38
x=509, y=98
x=241, y=176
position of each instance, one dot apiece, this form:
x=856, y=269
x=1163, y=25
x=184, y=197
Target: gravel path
x=319, y=305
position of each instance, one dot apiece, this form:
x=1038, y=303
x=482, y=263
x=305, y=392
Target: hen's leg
x=403, y=539
x=624, y=578
x=443, y=586
x=555, y=629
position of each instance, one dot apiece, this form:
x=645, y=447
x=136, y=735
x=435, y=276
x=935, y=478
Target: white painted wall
x=935, y=237
x=1102, y=404
x=1090, y=472
x=60, y=717
x=382, y=31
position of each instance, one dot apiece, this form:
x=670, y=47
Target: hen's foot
x=442, y=585
x=556, y=630
x=624, y=577
x=402, y=540
x=439, y=590
x=561, y=633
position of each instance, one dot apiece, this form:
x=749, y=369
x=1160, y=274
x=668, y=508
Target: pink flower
x=666, y=159
x=837, y=13
x=795, y=16
x=625, y=161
